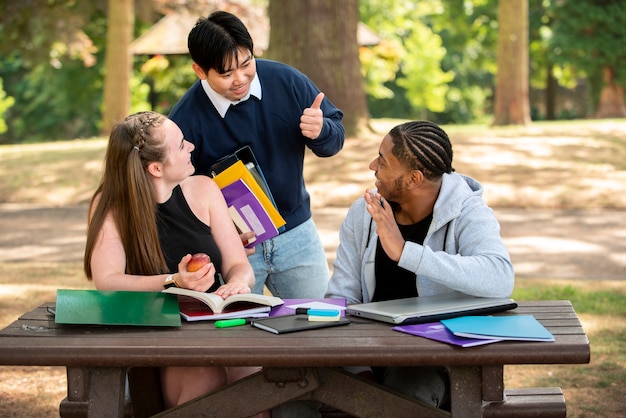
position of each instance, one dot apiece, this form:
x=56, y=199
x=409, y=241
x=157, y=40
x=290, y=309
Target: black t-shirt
x=392, y=281
x=181, y=233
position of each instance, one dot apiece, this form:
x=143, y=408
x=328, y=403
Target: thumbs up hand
x=312, y=119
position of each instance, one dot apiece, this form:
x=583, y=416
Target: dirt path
x=583, y=245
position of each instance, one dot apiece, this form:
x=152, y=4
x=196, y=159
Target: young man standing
x=276, y=110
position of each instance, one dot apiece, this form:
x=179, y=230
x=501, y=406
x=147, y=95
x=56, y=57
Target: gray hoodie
x=463, y=250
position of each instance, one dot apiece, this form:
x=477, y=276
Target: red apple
x=198, y=261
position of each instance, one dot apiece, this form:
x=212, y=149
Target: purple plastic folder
x=249, y=209
x=436, y=331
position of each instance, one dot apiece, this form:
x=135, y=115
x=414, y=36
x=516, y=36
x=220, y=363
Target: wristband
x=170, y=281
x=175, y=275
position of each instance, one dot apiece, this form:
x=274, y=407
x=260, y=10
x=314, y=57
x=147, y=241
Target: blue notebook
x=512, y=327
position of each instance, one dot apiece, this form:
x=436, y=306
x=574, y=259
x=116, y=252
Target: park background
x=552, y=163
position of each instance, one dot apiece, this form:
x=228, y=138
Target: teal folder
x=95, y=307
x=512, y=327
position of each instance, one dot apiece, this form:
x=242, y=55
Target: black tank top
x=181, y=233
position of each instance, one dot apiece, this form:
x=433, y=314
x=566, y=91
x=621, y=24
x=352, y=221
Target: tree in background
x=511, y=106
x=412, y=83
x=48, y=61
x=118, y=63
x=468, y=30
x=52, y=63
x=5, y=103
x=425, y=82
x=305, y=35
x=589, y=36
x=52, y=60
x=542, y=74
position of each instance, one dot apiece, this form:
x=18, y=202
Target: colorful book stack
x=250, y=202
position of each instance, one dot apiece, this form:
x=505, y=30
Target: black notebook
x=293, y=323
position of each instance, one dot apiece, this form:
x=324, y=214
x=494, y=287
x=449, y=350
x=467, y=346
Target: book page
x=244, y=206
x=254, y=298
x=240, y=224
x=213, y=301
x=217, y=304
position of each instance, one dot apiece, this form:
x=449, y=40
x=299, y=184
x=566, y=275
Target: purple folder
x=438, y=332
x=239, y=197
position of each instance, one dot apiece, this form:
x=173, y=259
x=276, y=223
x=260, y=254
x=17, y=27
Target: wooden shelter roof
x=169, y=35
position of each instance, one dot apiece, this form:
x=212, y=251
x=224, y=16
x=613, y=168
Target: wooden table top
x=35, y=340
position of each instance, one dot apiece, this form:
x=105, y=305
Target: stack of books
x=248, y=196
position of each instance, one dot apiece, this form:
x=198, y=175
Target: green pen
x=227, y=323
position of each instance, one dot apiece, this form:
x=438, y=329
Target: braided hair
x=424, y=146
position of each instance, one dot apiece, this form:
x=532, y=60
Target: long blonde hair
x=126, y=193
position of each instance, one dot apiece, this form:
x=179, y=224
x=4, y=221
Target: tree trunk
x=118, y=63
x=611, y=104
x=551, y=88
x=319, y=37
x=511, y=105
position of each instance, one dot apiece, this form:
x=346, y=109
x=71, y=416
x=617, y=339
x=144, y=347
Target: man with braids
x=147, y=217
x=425, y=230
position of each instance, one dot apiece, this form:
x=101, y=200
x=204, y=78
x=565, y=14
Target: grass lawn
x=564, y=165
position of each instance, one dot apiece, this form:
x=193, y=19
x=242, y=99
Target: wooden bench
x=519, y=403
x=528, y=402
x=145, y=391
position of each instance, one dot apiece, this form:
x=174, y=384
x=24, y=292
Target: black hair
x=214, y=41
x=424, y=146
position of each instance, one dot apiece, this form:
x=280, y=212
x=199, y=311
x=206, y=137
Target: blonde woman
x=147, y=217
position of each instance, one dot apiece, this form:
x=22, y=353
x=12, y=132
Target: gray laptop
x=423, y=309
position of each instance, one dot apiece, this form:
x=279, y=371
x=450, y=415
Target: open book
x=198, y=306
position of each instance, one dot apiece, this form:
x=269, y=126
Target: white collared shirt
x=222, y=104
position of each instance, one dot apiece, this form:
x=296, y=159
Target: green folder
x=95, y=307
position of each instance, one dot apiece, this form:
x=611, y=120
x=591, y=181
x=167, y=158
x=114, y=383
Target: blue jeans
x=292, y=265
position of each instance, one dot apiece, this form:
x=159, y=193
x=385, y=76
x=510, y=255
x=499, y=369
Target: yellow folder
x=239, y=171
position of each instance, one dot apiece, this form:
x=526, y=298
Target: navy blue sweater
x=271, y=127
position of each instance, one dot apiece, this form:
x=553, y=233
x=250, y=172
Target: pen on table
x=317, y=312
x=228, y=323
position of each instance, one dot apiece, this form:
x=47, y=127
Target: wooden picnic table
x=303, y=365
